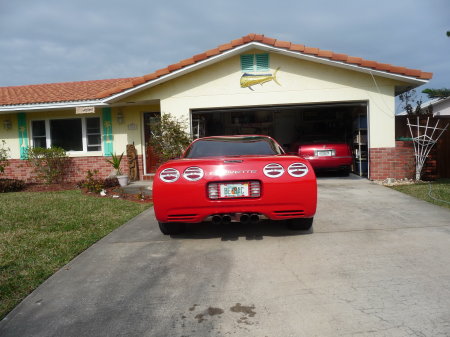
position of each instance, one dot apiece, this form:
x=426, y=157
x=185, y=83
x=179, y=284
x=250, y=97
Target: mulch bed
x=113, y=192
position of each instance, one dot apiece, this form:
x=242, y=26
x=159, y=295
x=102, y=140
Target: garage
x=293, y=125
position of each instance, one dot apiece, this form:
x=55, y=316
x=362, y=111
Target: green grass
x=440, y=189
x=42, y=231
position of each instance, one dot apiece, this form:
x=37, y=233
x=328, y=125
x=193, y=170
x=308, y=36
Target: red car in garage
x=226, y=179
x=330, y=156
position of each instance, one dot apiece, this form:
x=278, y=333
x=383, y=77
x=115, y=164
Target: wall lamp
x=7, y=125
x=120, y=117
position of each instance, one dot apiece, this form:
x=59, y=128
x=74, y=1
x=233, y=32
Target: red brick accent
x=19, y=169
x=392, y=162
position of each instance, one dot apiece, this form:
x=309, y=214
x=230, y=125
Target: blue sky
x=50, y=41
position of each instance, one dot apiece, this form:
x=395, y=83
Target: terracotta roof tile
x=282, y=44
x=339, y=57
x=297, y=47
x=200, y=57
x=325, y=53
x=91, y=90
x=225, y=46
x=311, y=50
x=268, y=40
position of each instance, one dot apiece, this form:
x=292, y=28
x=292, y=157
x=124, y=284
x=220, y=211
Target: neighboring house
x=254, y=84
x=438, y=163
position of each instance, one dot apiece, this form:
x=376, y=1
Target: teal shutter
x=262, y=62
x=107, y=132
x=247, y=63
x=23, y=134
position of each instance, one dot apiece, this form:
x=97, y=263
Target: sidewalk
x=136, y=187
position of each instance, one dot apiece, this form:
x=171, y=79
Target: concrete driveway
x=377, y=264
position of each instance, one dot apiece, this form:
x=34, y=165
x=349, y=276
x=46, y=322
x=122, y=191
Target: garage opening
x=293, y=125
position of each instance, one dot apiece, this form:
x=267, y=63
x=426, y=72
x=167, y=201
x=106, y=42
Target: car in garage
x=327, y=155
x=224, y=179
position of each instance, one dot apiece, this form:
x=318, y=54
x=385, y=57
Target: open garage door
x=292, y=125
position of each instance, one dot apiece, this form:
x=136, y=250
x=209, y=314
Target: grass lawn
x=42, y=231
x=440, y=189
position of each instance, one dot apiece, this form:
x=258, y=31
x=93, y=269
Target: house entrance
x=151, y=159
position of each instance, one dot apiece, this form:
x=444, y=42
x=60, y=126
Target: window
x=39, y=136
x=71, y=134
x=255, y=62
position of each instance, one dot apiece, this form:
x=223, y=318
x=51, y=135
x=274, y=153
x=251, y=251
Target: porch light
x=7, y=125
x=120, y=117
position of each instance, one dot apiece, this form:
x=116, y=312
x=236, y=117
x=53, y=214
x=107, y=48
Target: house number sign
x=84, y=110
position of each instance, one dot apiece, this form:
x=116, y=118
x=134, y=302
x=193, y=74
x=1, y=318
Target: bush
x=94, y=184
x=11, y=185
x=50, y=165
x=169, y=137
x=3, y=156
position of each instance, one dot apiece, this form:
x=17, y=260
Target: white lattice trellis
x=423, y=139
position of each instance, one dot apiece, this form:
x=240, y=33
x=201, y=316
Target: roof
x=103, y=89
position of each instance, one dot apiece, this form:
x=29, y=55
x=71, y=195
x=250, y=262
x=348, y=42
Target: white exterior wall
x=301, y=82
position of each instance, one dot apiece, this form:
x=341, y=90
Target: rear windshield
x=232, y=147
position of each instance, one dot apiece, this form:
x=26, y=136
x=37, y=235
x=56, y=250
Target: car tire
x=302, y=224
x=171, y=228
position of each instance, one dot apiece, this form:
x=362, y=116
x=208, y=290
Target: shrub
x=11, y=185
x=169, y=137
x=115, y=162
x=94, y=184
x=49, y=165
x=3, y=156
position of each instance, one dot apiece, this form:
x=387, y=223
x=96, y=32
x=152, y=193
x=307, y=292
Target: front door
x=151, y=160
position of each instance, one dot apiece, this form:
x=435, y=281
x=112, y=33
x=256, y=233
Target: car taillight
x=213, y=191
x=169, y=175
x=298, y=170
x=273, y=170
x=255, y=189
x=193, y=173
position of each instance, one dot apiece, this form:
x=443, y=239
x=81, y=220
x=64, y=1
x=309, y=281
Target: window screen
x=39, y=136
x=94, y=141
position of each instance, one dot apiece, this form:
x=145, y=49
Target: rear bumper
x=277, y=202
x=330, y=163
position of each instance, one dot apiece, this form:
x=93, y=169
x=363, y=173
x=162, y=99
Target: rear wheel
x=302, y=224
x=170, y=228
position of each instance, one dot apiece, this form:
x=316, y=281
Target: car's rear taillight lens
x=193, y=173
x=298, y=170
x=273, y=170
x=255, y=189
x=213, y=191
x=169, y=175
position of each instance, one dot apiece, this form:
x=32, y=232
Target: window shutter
x=247, y=63
x=262, y=62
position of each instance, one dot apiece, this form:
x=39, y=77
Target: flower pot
x=123, y=180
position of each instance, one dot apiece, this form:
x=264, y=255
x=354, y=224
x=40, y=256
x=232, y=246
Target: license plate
x=324, y=153
x=234, y=190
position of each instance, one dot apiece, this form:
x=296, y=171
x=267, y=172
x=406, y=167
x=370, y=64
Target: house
x=254, y=84
x=437, y=164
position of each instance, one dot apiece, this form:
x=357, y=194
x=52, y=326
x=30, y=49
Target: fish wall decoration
x=248, y=80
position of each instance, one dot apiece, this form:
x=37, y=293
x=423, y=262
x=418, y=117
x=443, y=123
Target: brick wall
x=399, y=163
x=19, y=169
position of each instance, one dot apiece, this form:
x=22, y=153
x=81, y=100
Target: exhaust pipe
x=216, y=219
x=254, y=219
x=226, y=219
x=245, y=219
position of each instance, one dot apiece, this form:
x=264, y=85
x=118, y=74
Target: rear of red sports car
x=234, y=178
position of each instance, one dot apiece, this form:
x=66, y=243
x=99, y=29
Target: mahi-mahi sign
x=248, y=80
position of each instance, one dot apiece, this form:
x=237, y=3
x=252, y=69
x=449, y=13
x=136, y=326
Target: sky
x=48, y=41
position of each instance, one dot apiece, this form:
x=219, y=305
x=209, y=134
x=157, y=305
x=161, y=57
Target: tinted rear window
x=232, y=147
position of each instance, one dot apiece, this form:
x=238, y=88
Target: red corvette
x=327, y=156
x=227, y=179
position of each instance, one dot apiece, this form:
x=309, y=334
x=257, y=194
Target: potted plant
x=115, y=162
